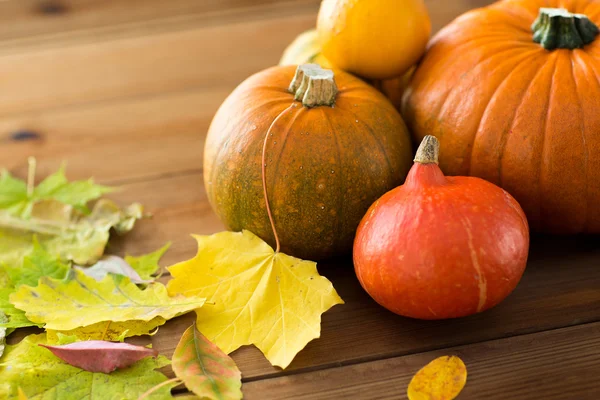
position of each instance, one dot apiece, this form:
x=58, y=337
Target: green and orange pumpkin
x=327, y=145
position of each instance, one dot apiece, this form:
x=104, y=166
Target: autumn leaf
x=109, y=330
x=147, y=265
x=3, y=318
x=100, y=355
x=112, y=265
x=17, y=197
x=64, y=231
x=205, y=369
x=83, y=301
x=41, y=375
x=16, y=317
x=260, y=297
x=441, y=379
x=36, y=265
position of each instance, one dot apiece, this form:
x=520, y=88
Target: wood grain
x=39, y=24
x=523, y=367
x=115, y=141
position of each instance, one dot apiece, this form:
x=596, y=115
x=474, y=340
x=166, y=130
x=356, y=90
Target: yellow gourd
x=375, y=39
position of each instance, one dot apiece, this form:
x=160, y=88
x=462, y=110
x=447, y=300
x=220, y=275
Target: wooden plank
x=34, y=18
x=559, y=289
x=560, y=364
x=153, y=60
x=147, y=65
x=115, y=141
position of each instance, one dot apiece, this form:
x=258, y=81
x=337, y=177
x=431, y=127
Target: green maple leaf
x=17, y=199
x=64, y=231
x=147, y=265
x=16, y=317
x=83, y=301
x=36, y=265
x=41, y=375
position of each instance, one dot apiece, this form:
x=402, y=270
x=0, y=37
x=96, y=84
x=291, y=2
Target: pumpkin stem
x=314, y=85
x=556, y=28
x=428, y=151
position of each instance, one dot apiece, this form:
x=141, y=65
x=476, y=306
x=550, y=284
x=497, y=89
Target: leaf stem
x=30, y=175
x=264, y=176
x=157, y=387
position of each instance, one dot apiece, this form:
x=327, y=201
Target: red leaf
x=100, y=356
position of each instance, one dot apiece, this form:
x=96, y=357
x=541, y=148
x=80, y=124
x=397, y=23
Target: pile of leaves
x=55, y=275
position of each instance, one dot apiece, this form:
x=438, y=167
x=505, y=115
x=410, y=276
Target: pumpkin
x=512, y=93
x=303, y=152
x=305, y=48
x=375, y=39
x=440, y=246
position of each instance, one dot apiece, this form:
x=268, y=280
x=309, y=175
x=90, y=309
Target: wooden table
x=124, y=91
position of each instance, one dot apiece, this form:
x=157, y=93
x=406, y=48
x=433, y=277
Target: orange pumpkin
x=327, y=146
x=441, y=246
x=512, y=92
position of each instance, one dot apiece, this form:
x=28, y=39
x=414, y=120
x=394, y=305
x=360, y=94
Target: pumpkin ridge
x=524, y=57
x=338, y=223
x=585, y=149
x=544, y=129
x=377, y=140
x=449, y=60
x=281, y=154
x=441, y=109
x=516, y=112
x=590, y=69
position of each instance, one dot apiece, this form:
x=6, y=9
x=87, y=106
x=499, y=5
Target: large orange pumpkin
x=326, y=156
x=512, y=92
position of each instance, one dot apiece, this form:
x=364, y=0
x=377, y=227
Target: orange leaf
x=441, y=379
x=205, y=369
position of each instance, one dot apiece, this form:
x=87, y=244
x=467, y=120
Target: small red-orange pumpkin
x=441, y=247
x=333, y=145
x=512, y=92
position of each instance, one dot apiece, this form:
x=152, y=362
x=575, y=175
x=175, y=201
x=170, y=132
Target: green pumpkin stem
x=314, y=86
x=556, y=28
x=428, y=151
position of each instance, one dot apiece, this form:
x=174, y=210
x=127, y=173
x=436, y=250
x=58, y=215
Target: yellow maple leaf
x=441, y=379
x=109, y=330
x=260, y=297
x=83, y=301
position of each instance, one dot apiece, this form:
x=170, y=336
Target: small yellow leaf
x=109, y=330
x=257, y=296
x=441, y=379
